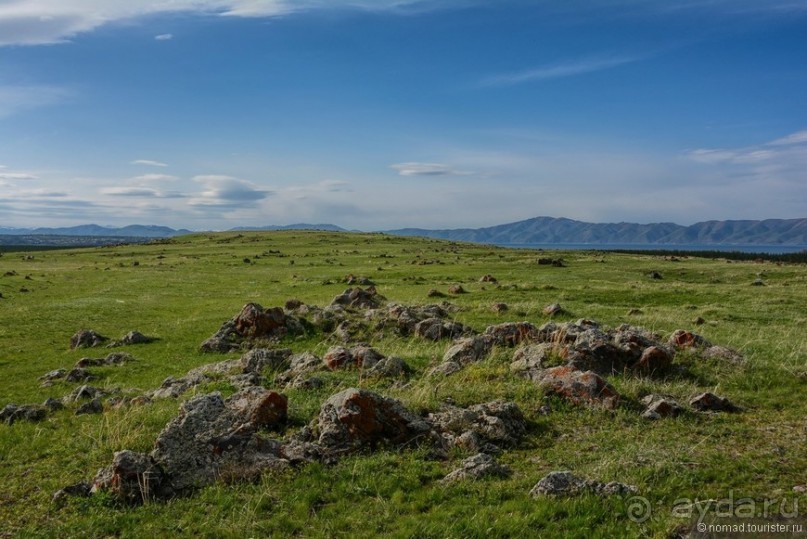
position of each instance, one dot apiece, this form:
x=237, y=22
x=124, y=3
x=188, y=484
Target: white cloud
x=561, y=70
x=799, y=137
x=164, y=37
x=781, y=150
x=227, y=192
x=131, y=192
x=155, y=178
x=17, y=176
x=148, y=162
x=414, y=168
x=18, y=98
x=38, y=22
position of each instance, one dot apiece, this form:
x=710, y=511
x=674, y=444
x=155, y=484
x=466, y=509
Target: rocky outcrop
x=211, y=439
x=252, y=323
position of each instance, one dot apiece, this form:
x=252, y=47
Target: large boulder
x=356, y=419
x=213, y=437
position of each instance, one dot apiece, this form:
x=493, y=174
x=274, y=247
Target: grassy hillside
x=181, y=290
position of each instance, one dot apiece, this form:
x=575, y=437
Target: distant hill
x=297, y=226
x=131, y=231
x=561, y=230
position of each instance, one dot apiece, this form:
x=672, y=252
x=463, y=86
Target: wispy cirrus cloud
x=164, y=37
x=414, y=168
x=148, y=162
x=19, y=98
x=784, y=150
x=17, y=176
x=38, y=22
x=559, y=70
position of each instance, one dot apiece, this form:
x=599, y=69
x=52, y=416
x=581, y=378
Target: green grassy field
x=181, y=291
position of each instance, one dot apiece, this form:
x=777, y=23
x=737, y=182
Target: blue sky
x=384, y=114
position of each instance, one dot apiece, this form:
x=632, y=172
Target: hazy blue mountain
x=134, y=231
x=561, y=230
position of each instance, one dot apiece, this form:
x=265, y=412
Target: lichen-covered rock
x=93, y=407
x=579, y=387
x=709, y=402
x=434, y=329
x=359, y=298
x=476, y=467
x=252, y=323
x=469, y=349
x=133, y=337
x=567, y=484
x=360, y=356
x=659, y=406
x=654, y=360
x=12, y=413
x=390, y=367
x=486, y=427
x=86, y=338
x=258, y=359
x=686, y=339
x=723, y=353
x=132, y=478
x=213, y=438
x=115, y=358
x=531, y=360
x=512, y=333
x=356, y=419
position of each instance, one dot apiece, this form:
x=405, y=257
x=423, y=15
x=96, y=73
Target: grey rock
x=477, y=467
x=93, y=407
x=567, y=484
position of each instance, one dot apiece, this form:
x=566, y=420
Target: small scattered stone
x=659, y=406
x=86, y=338
x=499, y=308
x=553, y=309
x=92, y=407
x=477, y=467
x=456, y=289
x=709, y=402
x=488, y=279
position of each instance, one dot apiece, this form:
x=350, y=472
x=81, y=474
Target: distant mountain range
x=560, y=230
x=539, y=230
x=131, y=231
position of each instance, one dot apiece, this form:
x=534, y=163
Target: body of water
x=770, y=249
